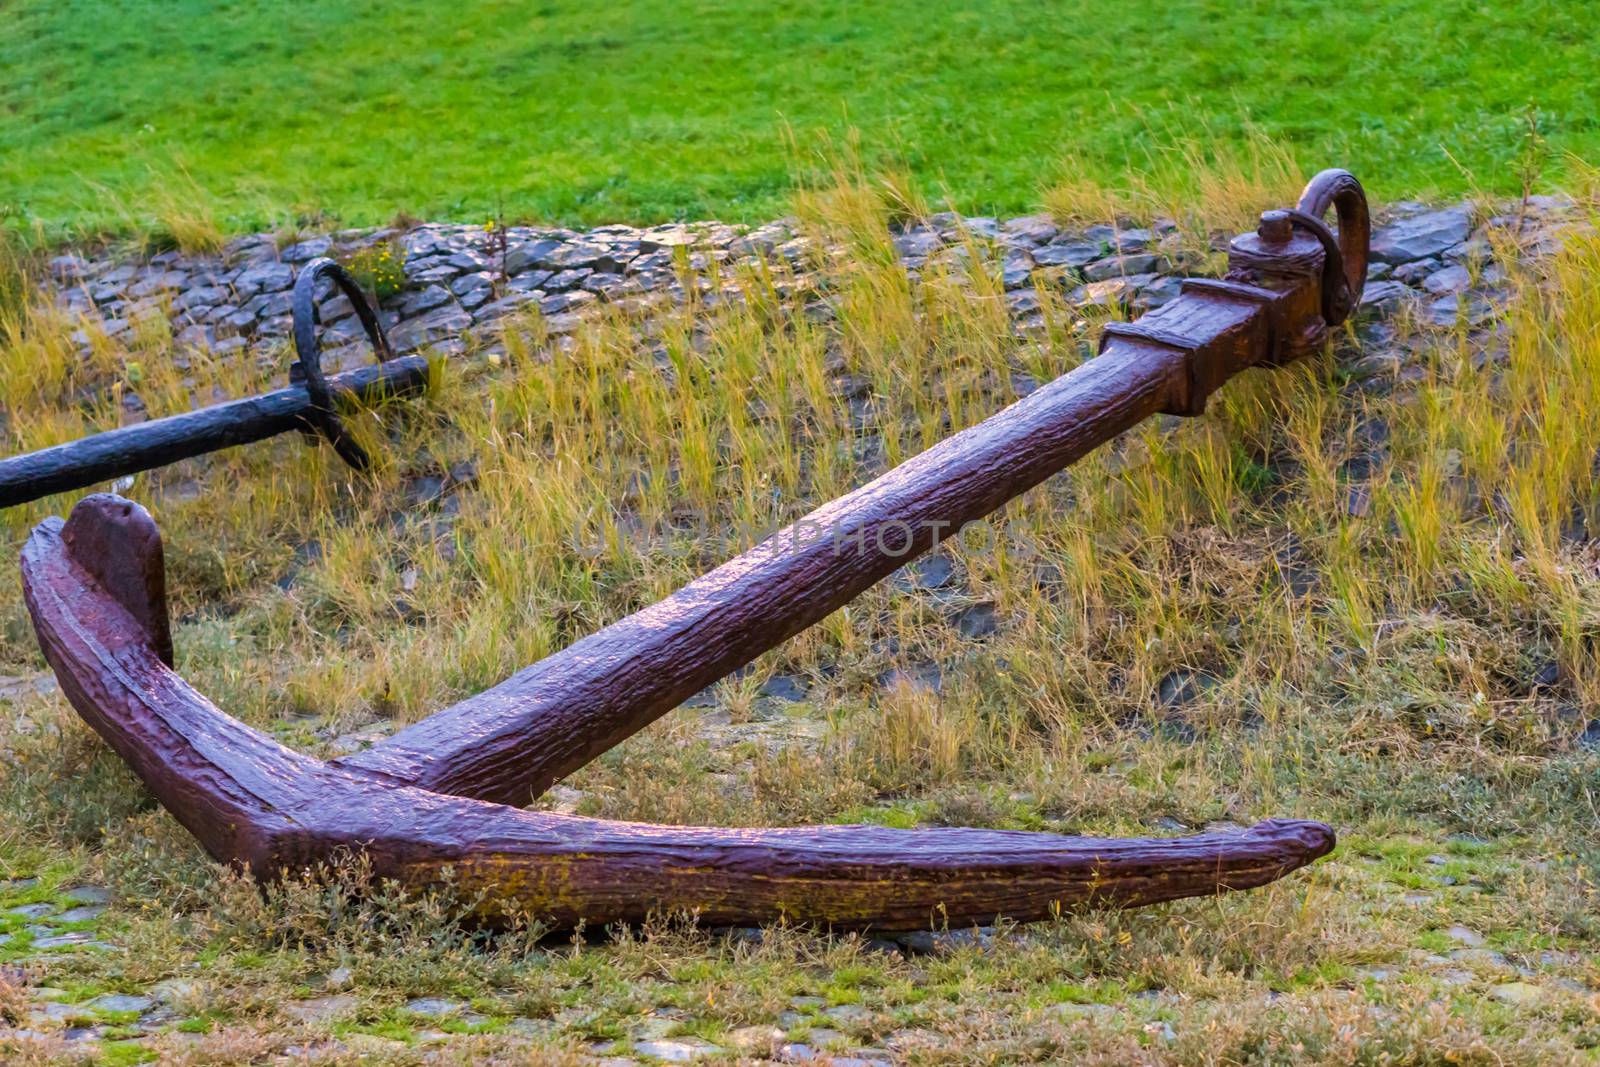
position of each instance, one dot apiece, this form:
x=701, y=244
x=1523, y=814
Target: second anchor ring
x=308, y=369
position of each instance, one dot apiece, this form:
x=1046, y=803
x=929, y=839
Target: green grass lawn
x=649, y=109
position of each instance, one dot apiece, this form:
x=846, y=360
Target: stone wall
x=458, y=280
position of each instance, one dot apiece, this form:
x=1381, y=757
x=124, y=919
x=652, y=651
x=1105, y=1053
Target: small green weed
x=379, y=269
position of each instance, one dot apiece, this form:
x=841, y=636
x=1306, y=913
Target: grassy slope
x=646, y=109
x=1390, y=694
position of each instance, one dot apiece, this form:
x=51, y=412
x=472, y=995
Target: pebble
x=977, y=621
x=1420, y=236
x=441, y=323
x=1358, y=503
x=804, y=1052
x=564, y=799
x=929, y=941
x=122, y=1002
x=1163, y=290
x=305, y=251
x=1073, y=1010
x=785, y=687
x=925, y=677
x=432, y=297
x=676, y=1050
x=321, y=1009
x=1030, y=229
x=1589, y=740
x=434, y=1007
x=659, y=1023
x=931, y=572
x=52, y=1008
x=759, y=1040
x=76, y=937
x=88, y=894
x=1182, y=686
x=1482, y=957
x=1113, y=292
x=177, y=990
x=1414, y=273
x=1469, y=309
x=267, y=278
x=848, y=1014
x=1545, y=676
x=1075, y=255
x=1518, y=994
x=1124, y=266
x=1452, y=279
x=1384, y=296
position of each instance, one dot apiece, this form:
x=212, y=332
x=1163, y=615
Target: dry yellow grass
x=1374, y=669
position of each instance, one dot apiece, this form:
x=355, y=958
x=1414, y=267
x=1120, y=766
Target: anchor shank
x=131, y=449
x=513, y=741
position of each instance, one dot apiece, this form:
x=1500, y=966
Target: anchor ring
x=1344, y=271
x=307, y=370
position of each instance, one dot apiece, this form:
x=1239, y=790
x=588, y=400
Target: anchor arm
x=254, y=802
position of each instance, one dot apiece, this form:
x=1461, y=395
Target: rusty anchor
x=442, y=794
x=311, y=403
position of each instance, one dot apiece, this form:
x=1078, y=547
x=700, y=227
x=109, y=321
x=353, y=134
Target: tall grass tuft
x=1206, y=184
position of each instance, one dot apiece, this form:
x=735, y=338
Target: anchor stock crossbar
x=439, y=794
x=310, y=403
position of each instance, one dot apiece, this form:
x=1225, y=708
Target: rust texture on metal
x=444, y=793
x=311, y=403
